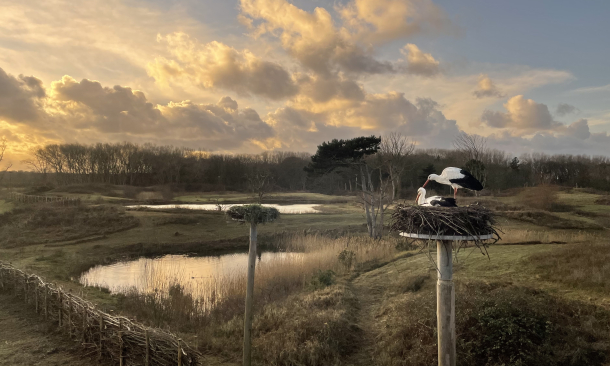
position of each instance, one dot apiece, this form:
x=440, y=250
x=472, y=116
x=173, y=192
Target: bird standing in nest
x=456, y=178
x=434, y=200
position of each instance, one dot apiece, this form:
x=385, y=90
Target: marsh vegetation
x=333, y=295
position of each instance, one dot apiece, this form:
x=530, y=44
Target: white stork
x=456, y=178
x=434, y=200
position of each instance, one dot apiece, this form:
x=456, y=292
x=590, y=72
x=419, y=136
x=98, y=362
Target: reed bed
x=167, y=300
x=112, y=337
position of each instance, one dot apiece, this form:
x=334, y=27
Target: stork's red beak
x=427, y=180
x=417, y=198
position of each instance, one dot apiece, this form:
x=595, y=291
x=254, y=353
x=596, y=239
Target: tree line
x=148, y=165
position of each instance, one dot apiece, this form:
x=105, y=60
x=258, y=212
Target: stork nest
x=472, y=220
x=253, y=214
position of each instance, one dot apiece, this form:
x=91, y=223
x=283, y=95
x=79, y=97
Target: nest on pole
x=468, y=221
x=253, y=214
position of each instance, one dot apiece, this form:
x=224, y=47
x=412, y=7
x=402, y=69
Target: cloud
x=593, y=89
x=418, y=62
x=220, y=126
x=486, y=88
x=20, y=97
x=565, y=109
x=318, y=93
x=377, y=113
x=109, y=40
x=311, y=38
x=89, y=105
x=216, y=65
x=382, y=21
x=522, y=115
x=579, y=129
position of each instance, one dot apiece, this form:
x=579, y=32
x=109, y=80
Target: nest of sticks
x=472, y=221
x=253, y=214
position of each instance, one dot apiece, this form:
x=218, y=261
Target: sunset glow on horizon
x=256, y=75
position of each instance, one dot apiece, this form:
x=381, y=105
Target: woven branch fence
x=112, y=337
x=28, y=198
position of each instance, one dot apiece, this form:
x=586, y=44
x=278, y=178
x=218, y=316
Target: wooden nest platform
x=253, y=214
x=468, y=221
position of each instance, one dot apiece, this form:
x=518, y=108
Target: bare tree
x=260, y=183
x=393, y=152
x=3, y=145
x=473, y=147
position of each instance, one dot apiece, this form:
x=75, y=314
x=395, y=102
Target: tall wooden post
x=249, y=295
x=445, y=304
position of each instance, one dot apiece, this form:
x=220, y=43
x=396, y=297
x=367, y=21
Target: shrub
x=322, y=279
x=544, y=198
x=496, y=324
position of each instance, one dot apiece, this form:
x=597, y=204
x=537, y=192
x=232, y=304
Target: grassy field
x=372, y=307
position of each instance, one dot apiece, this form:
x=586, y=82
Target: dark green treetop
x=342, y=153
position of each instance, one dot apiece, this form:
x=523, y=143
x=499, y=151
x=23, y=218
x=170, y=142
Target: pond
x=285, y=209
x=203, y=277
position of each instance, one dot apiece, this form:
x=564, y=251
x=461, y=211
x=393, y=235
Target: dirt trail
x=26, y=341
x=370, y=288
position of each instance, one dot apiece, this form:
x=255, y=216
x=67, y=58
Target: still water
x=199, y=276
x=285, y=209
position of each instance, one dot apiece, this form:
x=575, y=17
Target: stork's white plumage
x=456, y=178
x=434, y=200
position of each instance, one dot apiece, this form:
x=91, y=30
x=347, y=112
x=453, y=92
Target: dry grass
x=540, y=198
x=581, y=266
x=543, y=218
x=516, y=236
x=497, y=324
x=293, y=294
x=45, y=223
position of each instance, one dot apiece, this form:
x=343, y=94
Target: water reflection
x=199, y=276
x=286, y=209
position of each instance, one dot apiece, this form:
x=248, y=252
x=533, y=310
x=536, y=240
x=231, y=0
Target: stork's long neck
x=421, y=199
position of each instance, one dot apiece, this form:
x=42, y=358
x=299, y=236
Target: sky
x=247, y=76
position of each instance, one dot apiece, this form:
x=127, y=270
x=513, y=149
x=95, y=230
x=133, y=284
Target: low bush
x=496, y=324
x=322, y=279
x=605, y=200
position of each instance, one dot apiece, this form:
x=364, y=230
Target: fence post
x=46, y=302
x=25, y=289
x=120, y=342
x=147, y=363
x=36, y=295
x=60, y=306
x=101, y=333
x=84, y=323
x=179, y=353
x=69, y=317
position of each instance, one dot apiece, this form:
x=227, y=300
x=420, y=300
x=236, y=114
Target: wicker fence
x=28, y=198
x=110, y=337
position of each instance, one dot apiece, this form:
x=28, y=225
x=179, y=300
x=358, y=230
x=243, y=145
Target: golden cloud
x=216, y=65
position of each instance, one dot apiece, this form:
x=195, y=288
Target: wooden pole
x=59, y=313
x=445, y=304
x=84, y=323
x=69, y=317
x=120, y=342
x=147, y=359
x=46, y=302
x=249, y=294
x=25, y=289
x=101, y=333
x=179, y=352
x=36, y=295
